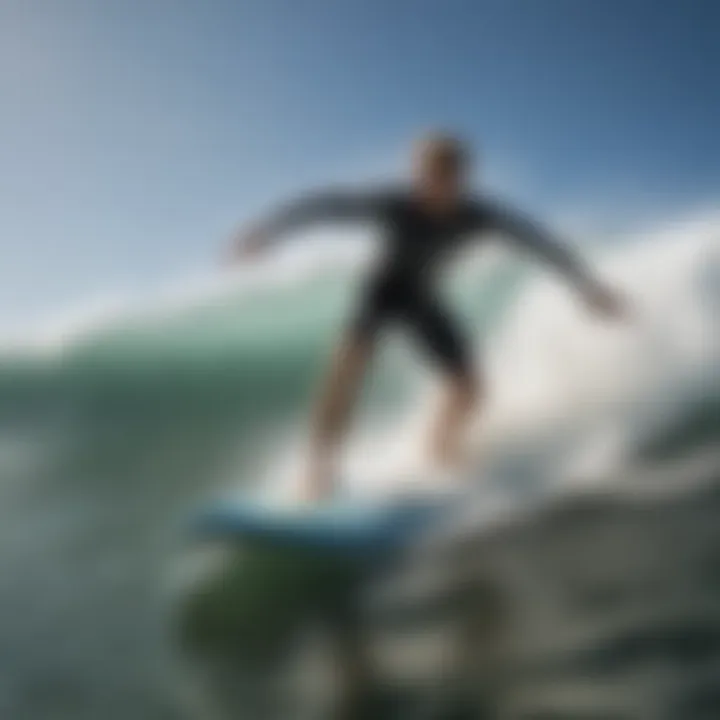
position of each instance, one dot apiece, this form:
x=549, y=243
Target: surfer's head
x=441, y=166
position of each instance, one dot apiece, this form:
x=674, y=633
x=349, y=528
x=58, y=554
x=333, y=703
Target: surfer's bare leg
x=333, y=410
x=461, y=396
x=443, y=340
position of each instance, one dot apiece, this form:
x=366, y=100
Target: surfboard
x=351, y=528
x=285, y=564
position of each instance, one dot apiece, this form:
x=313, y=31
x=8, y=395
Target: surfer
x=423, y=224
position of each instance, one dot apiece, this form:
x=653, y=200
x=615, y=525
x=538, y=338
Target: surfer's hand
x=247, y=246
x=605, y=302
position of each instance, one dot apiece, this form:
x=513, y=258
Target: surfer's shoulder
x=393, y=197
x=486, y=209
x=479, y=202
x=374, y=199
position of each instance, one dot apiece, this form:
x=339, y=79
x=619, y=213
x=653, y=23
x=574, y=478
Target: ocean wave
x=567, y=394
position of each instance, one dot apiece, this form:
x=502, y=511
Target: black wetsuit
x=416, y=244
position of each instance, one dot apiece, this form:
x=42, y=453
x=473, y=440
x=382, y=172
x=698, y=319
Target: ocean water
x=117, y=421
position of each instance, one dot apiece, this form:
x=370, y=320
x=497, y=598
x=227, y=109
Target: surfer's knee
x=357, y=346
x=467, y=388
x=340, y=386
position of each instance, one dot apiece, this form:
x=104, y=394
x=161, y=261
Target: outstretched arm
x=532, y=237
x=320, y=207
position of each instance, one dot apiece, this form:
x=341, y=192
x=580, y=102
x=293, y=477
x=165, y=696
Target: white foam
x=553, y=365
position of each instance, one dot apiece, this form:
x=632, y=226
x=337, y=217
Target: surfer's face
x=440, y=172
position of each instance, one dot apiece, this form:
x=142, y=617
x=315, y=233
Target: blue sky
x=135, y=133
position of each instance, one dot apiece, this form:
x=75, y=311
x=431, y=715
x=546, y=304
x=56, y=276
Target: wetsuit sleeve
x=532, y=237
x=322, y=207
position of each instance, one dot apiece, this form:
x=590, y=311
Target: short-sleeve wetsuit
x=416, y=243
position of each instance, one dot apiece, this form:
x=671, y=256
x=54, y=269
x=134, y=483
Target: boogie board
x=352, y=528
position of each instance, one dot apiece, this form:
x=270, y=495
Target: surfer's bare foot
x=445, y=453
x=318, y=485
x=448, y=467
x=445, y=467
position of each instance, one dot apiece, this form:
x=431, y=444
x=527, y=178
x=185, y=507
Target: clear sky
x=135, y=133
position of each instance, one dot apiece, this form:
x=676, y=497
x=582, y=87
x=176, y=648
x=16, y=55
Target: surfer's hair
x=445, y=149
